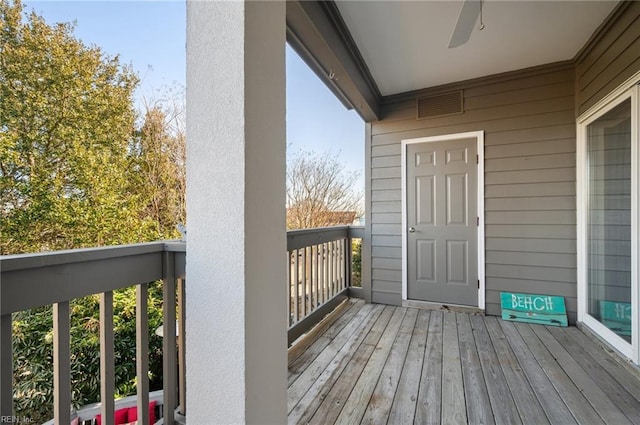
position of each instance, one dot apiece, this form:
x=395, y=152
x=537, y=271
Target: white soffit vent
x=440, y=105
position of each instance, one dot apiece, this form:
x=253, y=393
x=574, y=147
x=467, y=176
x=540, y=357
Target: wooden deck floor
x=391, y=365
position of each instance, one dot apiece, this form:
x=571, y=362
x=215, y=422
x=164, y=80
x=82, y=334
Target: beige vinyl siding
x=611, y=60
x=529, y=125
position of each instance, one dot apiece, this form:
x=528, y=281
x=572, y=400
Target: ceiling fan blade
x=466, y=21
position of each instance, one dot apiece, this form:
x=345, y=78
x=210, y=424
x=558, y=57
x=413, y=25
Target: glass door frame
x=629, y=90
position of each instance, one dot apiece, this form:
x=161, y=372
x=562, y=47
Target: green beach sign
x=532, y=308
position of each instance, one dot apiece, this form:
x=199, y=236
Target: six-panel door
x=441, y=222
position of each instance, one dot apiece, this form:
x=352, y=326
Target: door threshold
x=426, y=305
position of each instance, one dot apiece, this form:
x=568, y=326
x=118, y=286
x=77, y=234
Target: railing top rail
x=356, y=231
x=306, y=237
x=53, y=258
x=175, y=246
x=314, y=230
x=34, y=280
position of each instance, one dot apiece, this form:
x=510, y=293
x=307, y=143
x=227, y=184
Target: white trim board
x=634, y=80
x=479, y=136
x=628, y=90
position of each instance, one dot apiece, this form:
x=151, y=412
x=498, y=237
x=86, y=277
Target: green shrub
x=356, y=262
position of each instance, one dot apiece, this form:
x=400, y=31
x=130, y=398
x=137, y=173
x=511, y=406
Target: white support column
x=236, y=276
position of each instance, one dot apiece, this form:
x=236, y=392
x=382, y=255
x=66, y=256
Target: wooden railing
x=56, y=278
x=318, y=273
x=319, y=277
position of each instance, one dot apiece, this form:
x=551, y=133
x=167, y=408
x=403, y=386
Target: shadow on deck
x=393, y=365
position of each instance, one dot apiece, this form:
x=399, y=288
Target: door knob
x=411, y=229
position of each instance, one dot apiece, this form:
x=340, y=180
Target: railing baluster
x=320, y=268
x=169, y=339
x=107, y=368
x=322, y=256
x=307, y=271
x=6, y=366
x=310, y=278
x=319, y=261
x=334, y=268
x=289, y=290
x=326, y=258
x=61, y=363
x=314, y=276
x=304, y=282
x=348, y=262
x=182, y=339
x=320, y=281
x=338, y=269
x=329, y=271
x=296, y=283
x=309, y=288
x=142, y=353
x=339, y=266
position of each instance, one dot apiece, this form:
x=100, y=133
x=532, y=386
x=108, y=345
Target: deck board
x=429, y=406
x=297, y=366
x=475, y=387
x=333, y=403
x=378, y=408
x=555, y=409
x=308, y=376
x=356, y=405
x=629, y=405
x=404, y=404
x=453, y=399
x=396, y=365
x=301, y=409
x=630, y=382
x=529, y=408
x=504, y=408
x=599, y=400
x=572, y=396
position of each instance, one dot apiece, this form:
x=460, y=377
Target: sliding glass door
x=609, y=220
x=608, y=217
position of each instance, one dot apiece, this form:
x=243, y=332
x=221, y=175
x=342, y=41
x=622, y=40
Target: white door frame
x=630, y=89
x=479, y=136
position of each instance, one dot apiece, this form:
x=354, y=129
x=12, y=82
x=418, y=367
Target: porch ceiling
x=405, y=44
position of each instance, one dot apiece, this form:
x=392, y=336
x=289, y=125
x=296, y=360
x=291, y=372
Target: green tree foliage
x=75, y=171
x=67, y=120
